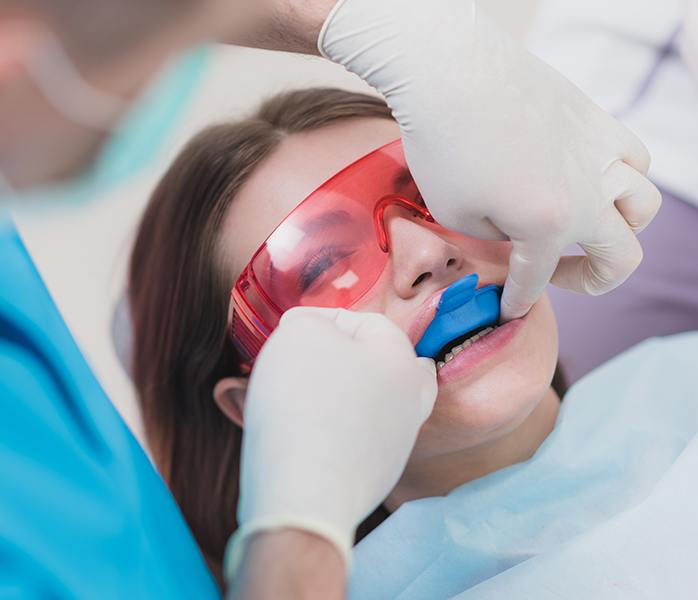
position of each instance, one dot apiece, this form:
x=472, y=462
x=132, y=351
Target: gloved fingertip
x=509, y=313
x=427, y=364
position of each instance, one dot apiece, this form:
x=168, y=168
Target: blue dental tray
x=463, y=308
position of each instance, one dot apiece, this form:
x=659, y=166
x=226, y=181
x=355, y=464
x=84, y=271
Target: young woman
x=496, y=405
x=191, y=248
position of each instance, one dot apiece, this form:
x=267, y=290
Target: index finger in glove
x=530, y=268
x=360, y=326
x=372, y=327
x=610, y=259
x=633, y=151
x=308, y=312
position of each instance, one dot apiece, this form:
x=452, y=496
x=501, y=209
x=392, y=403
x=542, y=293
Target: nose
x=420, y=257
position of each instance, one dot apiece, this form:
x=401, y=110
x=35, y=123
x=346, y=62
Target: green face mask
x=138, y=138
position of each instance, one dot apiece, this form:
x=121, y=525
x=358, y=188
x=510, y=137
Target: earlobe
x=229, y=395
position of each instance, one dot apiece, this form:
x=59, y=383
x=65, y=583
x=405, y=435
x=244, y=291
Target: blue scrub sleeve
x=83, y=514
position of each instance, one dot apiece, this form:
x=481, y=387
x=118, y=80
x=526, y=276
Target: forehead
x=301, y=163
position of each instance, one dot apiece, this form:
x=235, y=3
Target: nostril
x=423, y=277
x=451, y=262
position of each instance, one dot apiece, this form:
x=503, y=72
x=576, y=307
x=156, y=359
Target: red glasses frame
x=252, y=321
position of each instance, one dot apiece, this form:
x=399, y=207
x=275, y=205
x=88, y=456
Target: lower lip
x=482, y=351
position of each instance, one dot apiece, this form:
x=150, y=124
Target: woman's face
x=488, y=389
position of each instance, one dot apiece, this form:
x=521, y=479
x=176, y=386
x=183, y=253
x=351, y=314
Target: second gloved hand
x=333, y=409
x=500, y=144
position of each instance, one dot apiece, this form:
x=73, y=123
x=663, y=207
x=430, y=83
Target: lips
x=482, y=352
x=464, y=309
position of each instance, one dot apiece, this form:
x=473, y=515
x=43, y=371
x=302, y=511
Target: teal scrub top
x=83, y=514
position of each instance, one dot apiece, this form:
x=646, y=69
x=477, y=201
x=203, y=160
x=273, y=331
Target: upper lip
x=427, y=311
x=425, y=315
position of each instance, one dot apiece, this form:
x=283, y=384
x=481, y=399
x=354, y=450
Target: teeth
x=458, y=349
x=482, y=334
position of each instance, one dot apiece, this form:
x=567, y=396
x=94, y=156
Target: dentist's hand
x=333, y=409
x=500, y=144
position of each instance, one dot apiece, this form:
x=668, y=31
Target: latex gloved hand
x=500, y=144
x=333, y=408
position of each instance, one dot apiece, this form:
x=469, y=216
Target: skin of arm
x=286, y=25
x=289, y=564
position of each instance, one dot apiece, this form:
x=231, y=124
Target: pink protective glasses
x=328, y=252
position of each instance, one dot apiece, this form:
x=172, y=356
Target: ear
x=229, y=395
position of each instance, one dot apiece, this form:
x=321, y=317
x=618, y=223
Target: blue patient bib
x=83, y=514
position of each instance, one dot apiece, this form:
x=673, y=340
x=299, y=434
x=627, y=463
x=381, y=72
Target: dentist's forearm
x=287, y=25
x=289, y=565
x=301, y=21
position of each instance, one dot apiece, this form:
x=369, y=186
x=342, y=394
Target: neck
x=438, y=475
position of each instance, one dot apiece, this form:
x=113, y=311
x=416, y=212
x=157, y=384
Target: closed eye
x=319, y=263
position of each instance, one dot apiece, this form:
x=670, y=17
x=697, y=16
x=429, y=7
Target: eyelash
x=322, y=261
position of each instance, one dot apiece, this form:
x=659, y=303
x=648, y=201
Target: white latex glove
x=500, y=144
x=333, y=409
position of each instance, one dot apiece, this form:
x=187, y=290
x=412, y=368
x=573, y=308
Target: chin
x=498, y=396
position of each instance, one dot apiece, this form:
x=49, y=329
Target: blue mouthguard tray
x=463, y=308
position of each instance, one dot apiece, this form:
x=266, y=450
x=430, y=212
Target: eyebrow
x=325, y=220
x=403, y=178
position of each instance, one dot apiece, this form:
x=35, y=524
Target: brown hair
x=178, y=298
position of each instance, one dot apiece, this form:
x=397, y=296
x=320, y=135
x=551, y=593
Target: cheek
x=497, y=401
x=381, y=299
